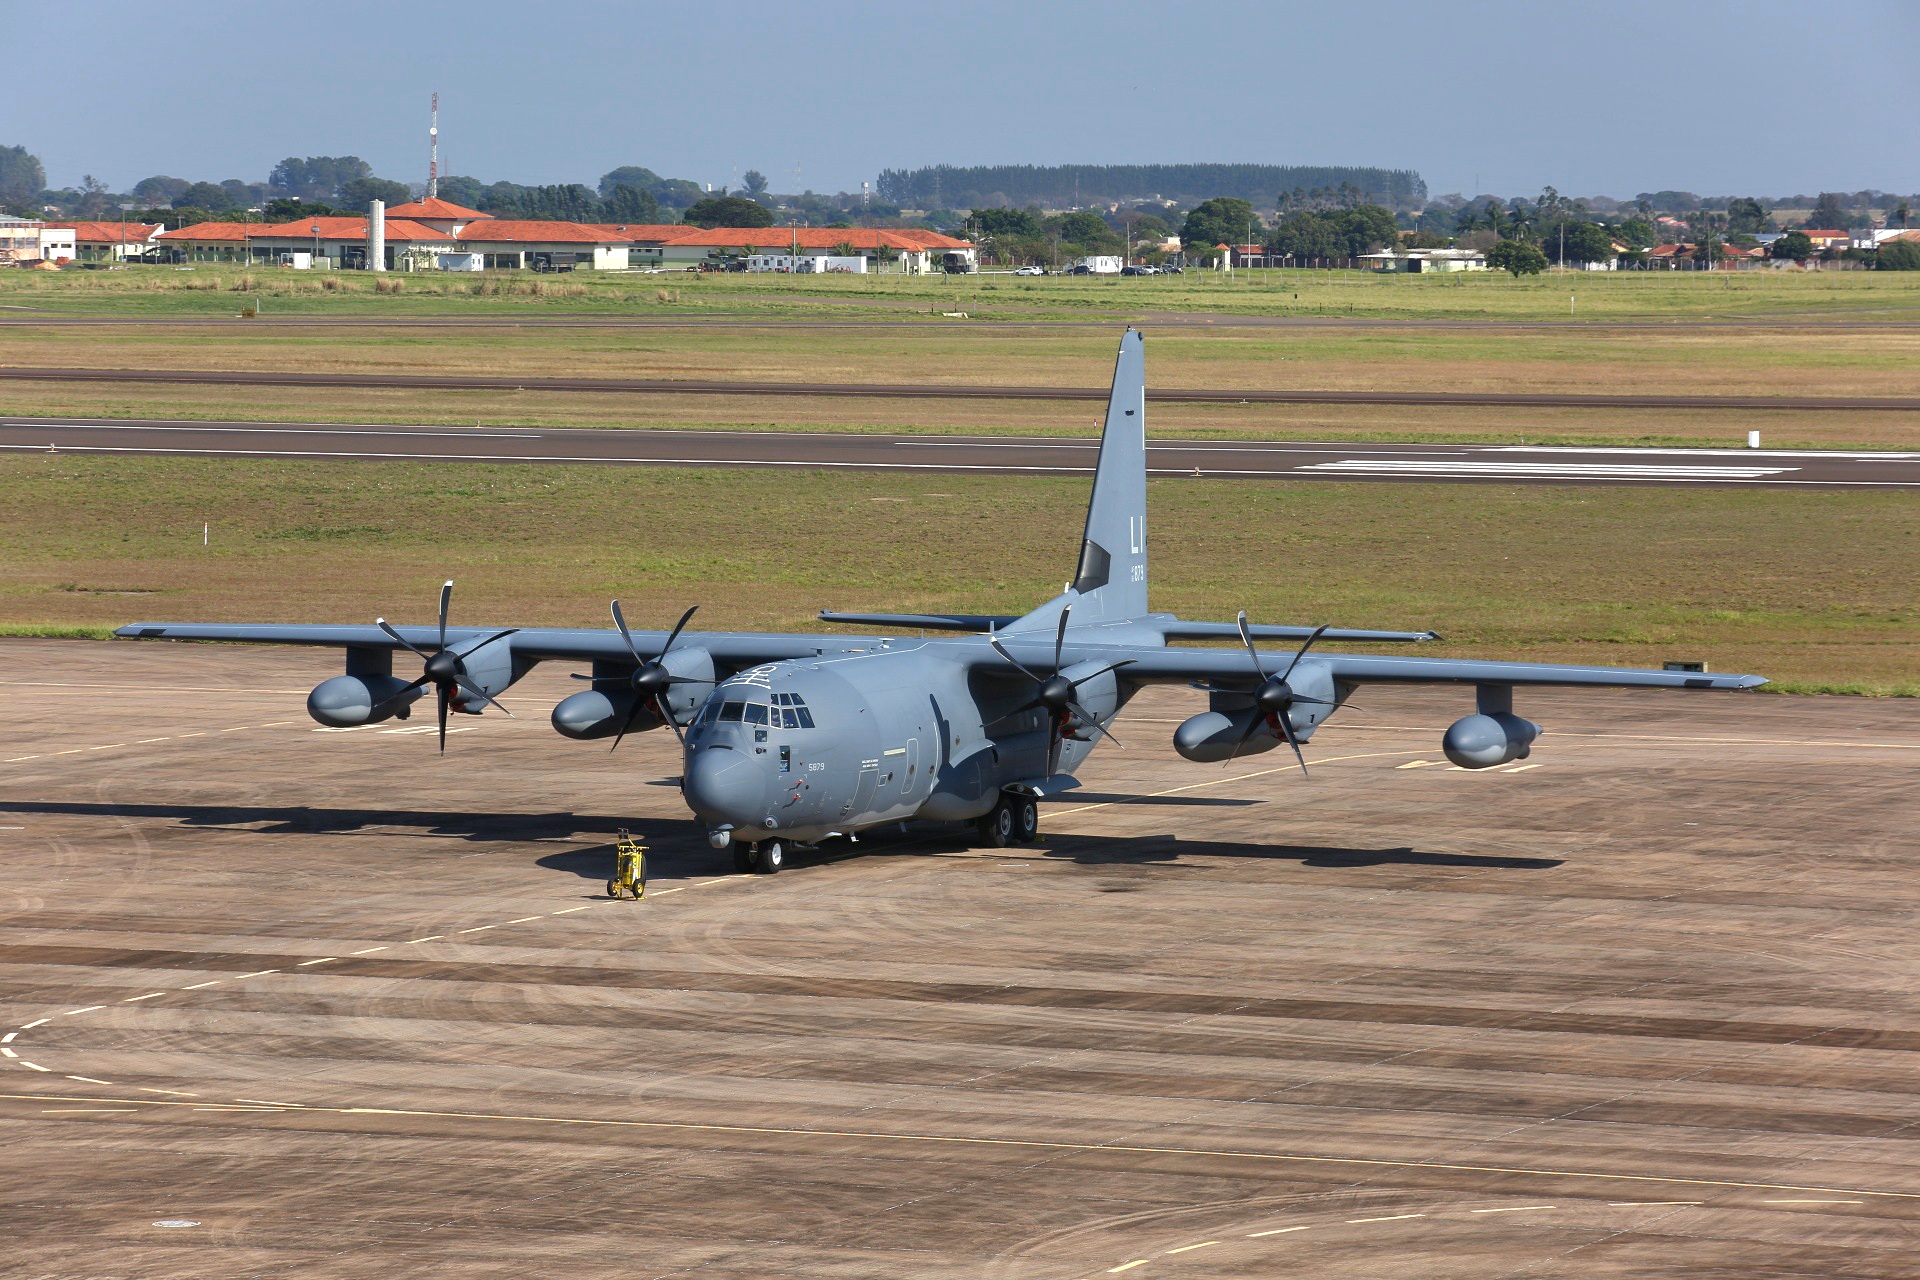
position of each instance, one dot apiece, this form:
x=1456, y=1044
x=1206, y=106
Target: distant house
x=204, y=242
x=908, y=250
x=112, y=241
x=26, y=241
x=1824, y=240
x=342, y=241
x=545, y=246
x=1681, y=257
x=1427, y=261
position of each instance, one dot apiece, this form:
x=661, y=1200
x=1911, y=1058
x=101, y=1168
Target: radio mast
x=433, y=151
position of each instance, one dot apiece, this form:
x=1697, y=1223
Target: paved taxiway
x=1031, y=455
x=957, y=391
x=1649, y=1007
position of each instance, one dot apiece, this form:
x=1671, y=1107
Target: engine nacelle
x=346, y=701
x=1483, y=741
x=593, y=714
x=1212, y=736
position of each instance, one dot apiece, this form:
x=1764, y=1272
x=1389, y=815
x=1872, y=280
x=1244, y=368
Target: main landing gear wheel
x=999, y=827
x=769, y=857
x=1026, y=819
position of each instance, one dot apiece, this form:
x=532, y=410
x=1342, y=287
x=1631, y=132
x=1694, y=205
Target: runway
x=955, y=391
x=1219, y=459
x=276, y=999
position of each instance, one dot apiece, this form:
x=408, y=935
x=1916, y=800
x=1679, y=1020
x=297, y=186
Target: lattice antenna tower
x=433, y=150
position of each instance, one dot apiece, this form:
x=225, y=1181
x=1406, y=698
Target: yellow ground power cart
x=629, y=868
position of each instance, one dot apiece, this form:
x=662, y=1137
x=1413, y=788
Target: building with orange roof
x=203, y=242
x=519, y=243
x=442, y=215
x=111, y=241
x=909, y=250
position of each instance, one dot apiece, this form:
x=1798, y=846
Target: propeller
x=1056, y=693
x=446, y=670
x=650, y=680
x=1275, y=696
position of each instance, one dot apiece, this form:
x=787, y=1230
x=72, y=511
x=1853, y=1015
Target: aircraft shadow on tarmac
x=675, y=848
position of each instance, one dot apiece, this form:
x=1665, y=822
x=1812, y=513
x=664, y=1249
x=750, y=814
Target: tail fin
x=1110, y=583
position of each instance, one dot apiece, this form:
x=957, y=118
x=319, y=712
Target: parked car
x=1139, y=271
x=1031, y=271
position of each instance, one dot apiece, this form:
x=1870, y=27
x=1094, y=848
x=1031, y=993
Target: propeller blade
x=1286, y=728
x=382, y=624
x=1302, y=652
x=442, y=690
x=1245, y=736
x=398, y=694
x=666, y=713
x=1125, y=662
x=632, y=716
x=1087, y=721
x=1002, y=651
x=1060, y=636
x=675, y=633
x=498, y=635
x=620, y=621
x=446, y=599
x=1053, y=745
x=1246, y=638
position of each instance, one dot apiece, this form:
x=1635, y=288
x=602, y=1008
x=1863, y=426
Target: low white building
x=26, y=240
x=1427, y=261
x=806, y=264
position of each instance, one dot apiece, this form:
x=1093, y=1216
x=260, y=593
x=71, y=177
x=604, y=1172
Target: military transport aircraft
x=792, y=739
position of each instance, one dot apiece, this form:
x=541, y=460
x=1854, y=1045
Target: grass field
x=1817, y=590
x=1774, y=360
x=210, y=289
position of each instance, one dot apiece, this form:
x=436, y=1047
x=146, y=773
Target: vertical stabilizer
x=1110, y=582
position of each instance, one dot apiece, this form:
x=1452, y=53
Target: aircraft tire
x=742, y=860
x=997, y=828
x=771, y=857
x=1026, y=820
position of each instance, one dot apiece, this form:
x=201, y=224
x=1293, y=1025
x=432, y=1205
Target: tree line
x=1063, y=186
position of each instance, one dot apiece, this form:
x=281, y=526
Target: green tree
x=22, y=176
x=1367, y=227
x=159, y=189
x=1898, y=255
x=1585, y=242
x=630, y=204
x=1829, y=213
x=756, y=183
x=358, y=193
x=1747, y=215
x=1083, y=228
x=1005, y=222
x=727, y=211
x=1306, y=236
x=316, y=177
x=1520, y=257
x=203, y=195
x=286, y=209
x=1795, y=246
x=1221, y=220
x=1901, y=212
x=627, y=175
x=1637, y=232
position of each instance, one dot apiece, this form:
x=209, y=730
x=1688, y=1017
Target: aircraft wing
x=734, y=649
x=1231, y=667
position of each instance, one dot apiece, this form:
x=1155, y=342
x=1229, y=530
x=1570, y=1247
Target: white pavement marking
x=1189, y=1248
x=1398, y=1217
x=1570, y=470
x=1519, y=1208
x=1277, y=1231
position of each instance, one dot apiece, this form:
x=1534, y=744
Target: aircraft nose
x=726, y=786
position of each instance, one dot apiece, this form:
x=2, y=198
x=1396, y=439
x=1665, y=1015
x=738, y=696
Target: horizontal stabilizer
x=926, y=621
x=1183, y=630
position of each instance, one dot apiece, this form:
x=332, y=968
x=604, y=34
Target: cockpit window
x=730, y=712
x=756, y=713
x=789, y=711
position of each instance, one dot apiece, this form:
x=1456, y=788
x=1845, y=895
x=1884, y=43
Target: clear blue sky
x=1764, y=97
